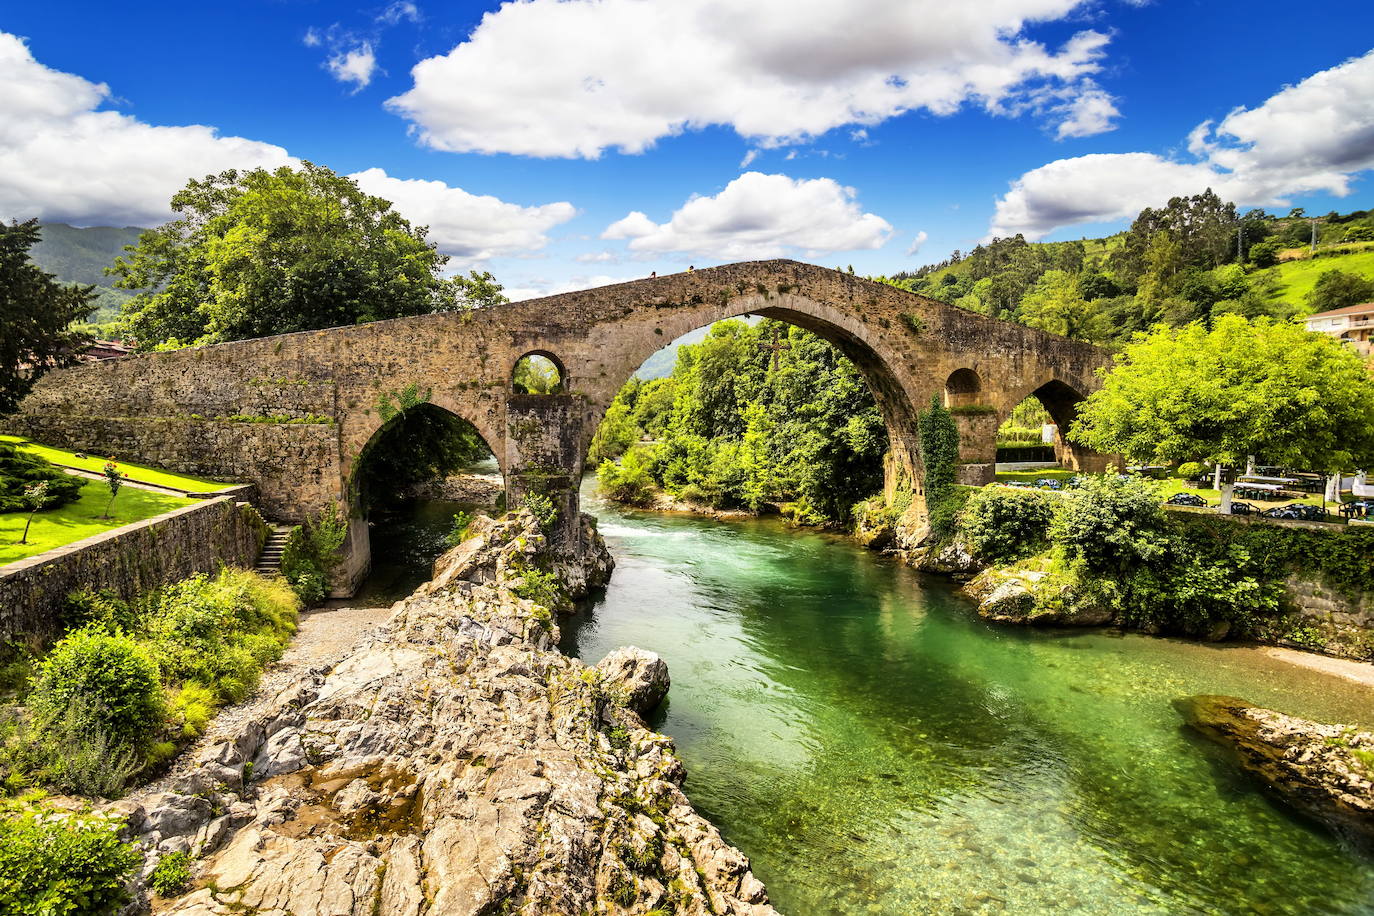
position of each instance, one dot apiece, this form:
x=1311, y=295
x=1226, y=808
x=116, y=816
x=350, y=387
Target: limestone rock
x=454, y=764
x=1027, y=597
x=1324, y=771
x=640, y=674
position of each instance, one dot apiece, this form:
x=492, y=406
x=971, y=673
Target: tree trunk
x=1227, y=490
x=25, y=538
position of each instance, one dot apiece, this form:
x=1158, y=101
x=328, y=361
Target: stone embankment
x=477, y=489
x=455, y=762
x=1324, y=771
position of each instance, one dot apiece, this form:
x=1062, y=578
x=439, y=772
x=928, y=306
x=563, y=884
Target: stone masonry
x=295, y=413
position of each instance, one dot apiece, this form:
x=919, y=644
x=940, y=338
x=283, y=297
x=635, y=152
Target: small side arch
x=539, y=372
x=963, y=388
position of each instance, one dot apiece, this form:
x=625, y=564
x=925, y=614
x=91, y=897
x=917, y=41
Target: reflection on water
x=875, y=748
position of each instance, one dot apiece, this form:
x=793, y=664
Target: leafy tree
x=478, y=290
x=20, y=470
x=1264, y=388
x=258, y=253
x=114, y=479
x=1056, y=304
x=940, y=462
x=36, y=313
x=1337, y=289
x=537, y=375
x=1203, y=227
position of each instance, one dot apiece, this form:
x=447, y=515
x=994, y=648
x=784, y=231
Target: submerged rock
x=1324, y=771
x=454, y=763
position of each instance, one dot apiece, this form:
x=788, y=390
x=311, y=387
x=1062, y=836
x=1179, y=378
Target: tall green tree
x=1267, y=389
x=36, y=313
x=1336, y=289
x=258, y=253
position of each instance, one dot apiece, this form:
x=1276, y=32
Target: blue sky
x=565, y=144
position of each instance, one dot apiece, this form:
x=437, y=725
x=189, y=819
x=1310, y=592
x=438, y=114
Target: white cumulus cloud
x=470, y=227
x=573, y=78
x=1313, y=136
x=354, y=65
x=759, y=216
x=917, y=242
x=63, y=159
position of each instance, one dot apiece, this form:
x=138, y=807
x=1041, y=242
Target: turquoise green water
x=875, y=748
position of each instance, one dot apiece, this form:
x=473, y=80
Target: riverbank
x=453, y=762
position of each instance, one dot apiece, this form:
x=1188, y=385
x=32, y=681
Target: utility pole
x=1314, y=236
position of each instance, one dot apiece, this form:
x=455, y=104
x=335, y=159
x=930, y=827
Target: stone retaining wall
x=295, y=465
x=130, y=561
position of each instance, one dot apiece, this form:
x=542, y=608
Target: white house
x=1354, y=324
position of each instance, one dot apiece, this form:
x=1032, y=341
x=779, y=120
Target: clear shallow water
x=875, y=748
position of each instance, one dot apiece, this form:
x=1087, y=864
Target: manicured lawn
x=134, y=471
x=77, y=520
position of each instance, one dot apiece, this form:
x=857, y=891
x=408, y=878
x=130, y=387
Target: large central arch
x=294, y=413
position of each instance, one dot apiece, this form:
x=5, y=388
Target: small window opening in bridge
x=538, y=373
x=963, y=388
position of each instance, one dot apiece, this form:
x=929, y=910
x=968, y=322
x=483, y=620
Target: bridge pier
x=544, y=436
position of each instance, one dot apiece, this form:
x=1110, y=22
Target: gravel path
x=325, y=635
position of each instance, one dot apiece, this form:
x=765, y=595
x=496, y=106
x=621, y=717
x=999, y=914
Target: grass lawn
x=1296, y=278
x=135, y=472
x=77, y=520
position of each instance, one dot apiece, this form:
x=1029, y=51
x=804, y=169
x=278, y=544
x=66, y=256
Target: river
x=876, y=748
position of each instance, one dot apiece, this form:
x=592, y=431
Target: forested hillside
x=1190, y=260
x=81, y=256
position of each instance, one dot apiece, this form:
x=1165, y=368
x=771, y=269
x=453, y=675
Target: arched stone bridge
x=294, y=413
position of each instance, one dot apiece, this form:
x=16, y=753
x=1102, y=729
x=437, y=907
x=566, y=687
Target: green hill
x=1296, y=279
x=81, y=255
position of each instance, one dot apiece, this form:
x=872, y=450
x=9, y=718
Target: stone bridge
x=295, y=413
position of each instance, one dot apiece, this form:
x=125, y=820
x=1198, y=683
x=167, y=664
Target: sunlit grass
x=76, y=520
x=134, y=471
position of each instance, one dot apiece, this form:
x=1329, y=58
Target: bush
x=1112, y=525
x=1001, y=524
x=629, y=482
x=221, y=632
x=19, y=470
x=542, y=508
x=76, y=755
x=102, y=610
x=109, y=682
x=62, y=865
x=311, y=553
x=172, y=875
x=543, y=588
x=1191, y=470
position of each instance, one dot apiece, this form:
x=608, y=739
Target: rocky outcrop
x=642, y=677
x=1324, y=771
x=454, y=763
x=1021, y=596
x=945, y=557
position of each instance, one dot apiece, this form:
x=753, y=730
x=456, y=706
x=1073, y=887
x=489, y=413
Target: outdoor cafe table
x=1267, y=487
x=1264, y=481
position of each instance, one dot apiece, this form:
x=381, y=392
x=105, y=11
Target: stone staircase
x=269, y=561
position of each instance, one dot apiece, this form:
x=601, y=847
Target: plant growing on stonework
x=458, y=529
x=114, y=479
x=542, y=508
x=940, y=461
x=393, y=404
x=172, y=875
x=312, y=552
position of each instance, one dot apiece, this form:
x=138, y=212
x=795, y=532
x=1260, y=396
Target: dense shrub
x=542, y=508
x=107, y=682
x=62, y=864
x=631, y=481
x=1002, y=523
x=20, y=470
x=311, y=553
x=458, y=529
x=1190, y=470
x=220, y=632
x=940, y=464
x=1112, y=525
